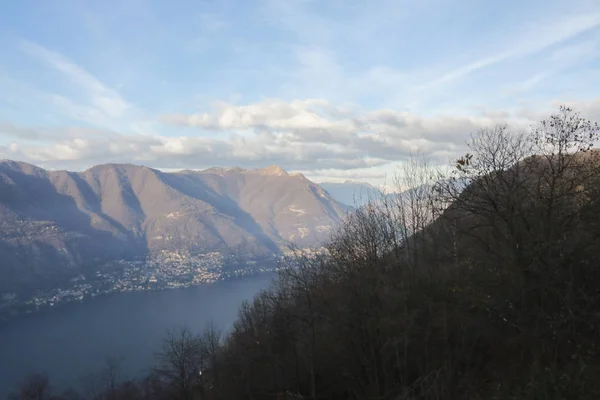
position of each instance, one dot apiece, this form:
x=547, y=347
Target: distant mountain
x=351, y=193
x=355, y=194
x=54, y=223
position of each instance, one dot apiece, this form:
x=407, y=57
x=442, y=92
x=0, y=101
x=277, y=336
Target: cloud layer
x=311, y=135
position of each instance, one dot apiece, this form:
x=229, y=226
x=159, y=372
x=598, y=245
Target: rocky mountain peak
x=272, y=170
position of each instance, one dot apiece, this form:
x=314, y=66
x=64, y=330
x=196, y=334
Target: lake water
x=70, y=340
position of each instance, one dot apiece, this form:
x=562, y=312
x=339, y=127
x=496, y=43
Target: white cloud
x=312, y=136
x=82, y=96
x=105, y=100
x=533, y=40
x=333, y=175
x=316, y=120
x=589, y=109
x=23, y=133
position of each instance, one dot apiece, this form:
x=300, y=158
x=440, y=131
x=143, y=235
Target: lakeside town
x=167, y=270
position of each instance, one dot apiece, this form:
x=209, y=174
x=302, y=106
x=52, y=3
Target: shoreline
x=8, y=316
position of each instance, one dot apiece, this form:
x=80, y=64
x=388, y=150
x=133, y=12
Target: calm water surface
x=70, y=340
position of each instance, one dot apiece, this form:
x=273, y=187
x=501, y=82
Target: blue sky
x=335, y=89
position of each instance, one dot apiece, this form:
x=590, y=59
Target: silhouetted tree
x=180, y=360
x=34, y=387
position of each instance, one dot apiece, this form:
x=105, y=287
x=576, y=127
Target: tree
x=180, y=361
x=211, y=344
x=35, y=387
x=299, y=277
x=110, y=374
x=526, y=189
x=529, y=221
x=92, y=386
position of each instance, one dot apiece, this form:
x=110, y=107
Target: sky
x=335, y=89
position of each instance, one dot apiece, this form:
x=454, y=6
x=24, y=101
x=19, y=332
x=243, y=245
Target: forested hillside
x=491, y=292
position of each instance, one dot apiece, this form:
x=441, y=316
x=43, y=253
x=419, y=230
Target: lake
x=73, y=339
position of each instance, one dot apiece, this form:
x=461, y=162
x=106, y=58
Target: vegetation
x=443, y=292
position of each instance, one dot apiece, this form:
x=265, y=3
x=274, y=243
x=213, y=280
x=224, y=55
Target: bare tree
x=493, y=171
x=110, y=374
x=299, y=277
x=180, y=361
x=35, y=387
x=415, y=206
x=529, y=218
x=92, y=385
x=211, y=342
x=524, y=187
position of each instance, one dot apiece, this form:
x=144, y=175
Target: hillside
x=492, y=295
x=56, y=222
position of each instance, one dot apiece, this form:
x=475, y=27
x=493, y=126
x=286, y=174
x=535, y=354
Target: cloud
x=105, y=100
x=81, y=96
x=310, y=133
x=313, y=136
x=328, y=58
x=307, y=120
x=333, y=175
x=465, y=70
x=19, y=132
x=533, y=40
x=317, y=120
x=589, y=109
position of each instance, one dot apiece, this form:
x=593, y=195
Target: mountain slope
x=54, y=223
x=286, y=207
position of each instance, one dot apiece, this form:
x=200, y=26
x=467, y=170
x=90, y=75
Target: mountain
x=54, y=223
x=351, y=193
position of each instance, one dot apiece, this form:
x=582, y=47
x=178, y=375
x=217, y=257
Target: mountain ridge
x=56, y=222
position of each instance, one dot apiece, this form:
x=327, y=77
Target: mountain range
x=352, y=193
x=57, y=222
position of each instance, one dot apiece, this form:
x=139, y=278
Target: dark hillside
x=496, y=299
